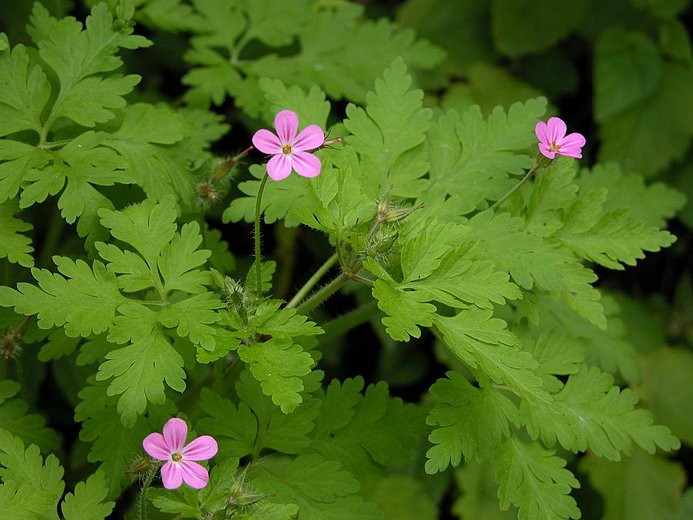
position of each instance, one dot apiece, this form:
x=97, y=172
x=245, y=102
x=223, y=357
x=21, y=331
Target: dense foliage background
x=618, y=71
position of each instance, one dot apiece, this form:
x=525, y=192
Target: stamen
x=176, y=457
x=286, y=149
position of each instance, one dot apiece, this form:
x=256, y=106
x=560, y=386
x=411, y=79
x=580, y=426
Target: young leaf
x=320, y=489
x=113, y=445
x=535, y=481
x=79, y=57
x=15, y=420
x=31, y=487
x=591, y=412
x=393, y=123
x=84, y=303
x=485, y=344
x=278, y=364
x=471, y=158
x=13, y=245
x=470, y=422
x=87, y=501
x=25, y=91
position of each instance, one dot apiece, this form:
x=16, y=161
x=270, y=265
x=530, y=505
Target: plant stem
x=258, y=211
x=324, y=293
x=143, y=494
x=303, y=291
x=350, y=320
x=517, y=186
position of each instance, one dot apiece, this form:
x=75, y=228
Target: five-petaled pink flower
x=290, y=151
x=552, y=139
x=179, y=457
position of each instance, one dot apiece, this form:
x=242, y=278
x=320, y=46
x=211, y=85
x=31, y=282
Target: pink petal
x=310, y=138
x=279, y=167
x=557, y=129
x=194, y=475
x=172, y=475
x=542, y=132
x=306, y=164
x=175, y=432
x=573, y=140
x=202, y=448
x=546, y=152
x=267, y=142
x=286, y=123
x=571, y=152
x=155, y=446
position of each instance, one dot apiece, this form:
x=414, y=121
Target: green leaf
x=148, y=227
x=665, y=388
x=79, y=58
x=256, y=423
x=486, y=346
x=471, y=158
x=312, y=107
x=470, y=422
x=13, y=245
x=638, y=488
x=530, y=260
x=140, y=369
x=406, y=310
x=663, y=123
x=87, y=502
x=320, y=489
x=24, y=91
x=31, y=487
x=366, y=432
x=461, y=30
x=402, y=497
x=84, y=300
x=112, y=444
x=394, y=122
x=479, y=497
x=652, y=203
x=192, y=318
x=627, y=68
x=551, y=21
x=18, y=159
x=15, y=419
x=591, y=412
x=279, y=365
x=156, y=143
x=535, y=481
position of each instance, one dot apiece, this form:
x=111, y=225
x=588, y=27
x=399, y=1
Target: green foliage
x=431, y=195
x=332, y=49
x=535, y=481
x=88, y=300
x=16, y=421
x=13, y=245
x=640, y=487
x=31, y=487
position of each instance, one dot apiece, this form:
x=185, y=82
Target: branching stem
x=303, y=291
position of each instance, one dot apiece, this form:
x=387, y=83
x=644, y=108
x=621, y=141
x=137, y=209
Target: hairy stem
x=303, y=291
x=143, y=494
x=324, y=293
x=258, y=212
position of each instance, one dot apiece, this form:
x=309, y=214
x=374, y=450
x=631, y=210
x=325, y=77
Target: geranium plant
x=345, y=270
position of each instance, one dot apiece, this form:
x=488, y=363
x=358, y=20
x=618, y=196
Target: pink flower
x=552, y=139
x=179, y=457
x=290, y=151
